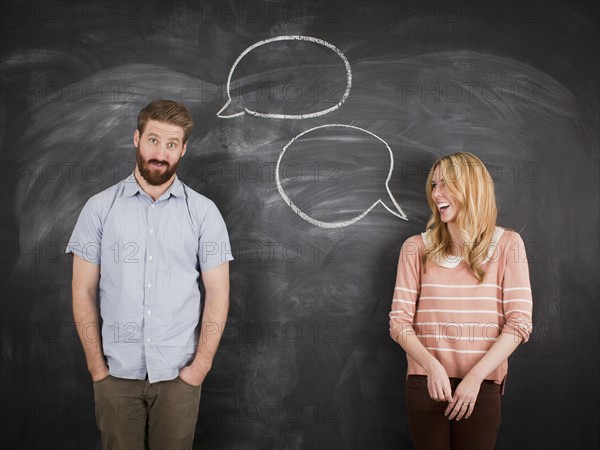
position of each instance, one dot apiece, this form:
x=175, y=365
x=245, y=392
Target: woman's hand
x=438, y=383
x=465, y=396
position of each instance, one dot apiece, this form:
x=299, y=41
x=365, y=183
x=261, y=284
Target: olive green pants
x=137, y=414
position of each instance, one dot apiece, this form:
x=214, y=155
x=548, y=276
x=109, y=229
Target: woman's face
x=446, y=202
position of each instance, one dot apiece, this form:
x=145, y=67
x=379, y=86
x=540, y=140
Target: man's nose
x=161, y=152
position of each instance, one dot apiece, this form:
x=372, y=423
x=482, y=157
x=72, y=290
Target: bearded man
x=142, y=249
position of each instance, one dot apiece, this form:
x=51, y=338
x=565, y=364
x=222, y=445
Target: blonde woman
x=462, y=304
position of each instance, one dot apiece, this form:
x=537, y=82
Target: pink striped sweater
x=456, y=317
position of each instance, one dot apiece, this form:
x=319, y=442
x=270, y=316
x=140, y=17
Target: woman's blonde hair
x=469, y=181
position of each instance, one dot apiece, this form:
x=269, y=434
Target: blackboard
x=328, y=98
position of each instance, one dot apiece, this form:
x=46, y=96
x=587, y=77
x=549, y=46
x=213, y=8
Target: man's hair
x=168, y=111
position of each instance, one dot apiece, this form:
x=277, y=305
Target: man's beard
x=151, y=175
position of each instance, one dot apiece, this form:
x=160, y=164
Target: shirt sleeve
x=516, y=289
x=406, y=290
x=214, y=248
x=87, y=236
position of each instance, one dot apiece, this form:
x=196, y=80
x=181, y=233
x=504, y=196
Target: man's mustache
x=156, y=161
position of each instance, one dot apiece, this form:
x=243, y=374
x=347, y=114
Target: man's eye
x=152, y=140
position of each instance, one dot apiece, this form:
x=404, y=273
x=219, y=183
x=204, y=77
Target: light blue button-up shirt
x=151, y=255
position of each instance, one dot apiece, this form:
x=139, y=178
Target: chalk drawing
x=397, y=211
x=224, y=115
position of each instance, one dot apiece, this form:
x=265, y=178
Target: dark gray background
x=306, y=361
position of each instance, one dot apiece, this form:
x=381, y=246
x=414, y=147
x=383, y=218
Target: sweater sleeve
x=516, y=289
x=406, y=291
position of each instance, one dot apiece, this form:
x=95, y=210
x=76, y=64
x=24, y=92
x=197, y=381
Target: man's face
x=158, y=151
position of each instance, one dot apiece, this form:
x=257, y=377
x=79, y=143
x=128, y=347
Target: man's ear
x=136, y=138
x=184, y=149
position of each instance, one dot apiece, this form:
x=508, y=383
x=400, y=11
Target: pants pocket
x=191, y=386
x=103, y=379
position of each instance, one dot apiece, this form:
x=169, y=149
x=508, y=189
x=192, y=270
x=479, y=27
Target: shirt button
x=149, y=285
x=151, y=230
x=148, y=340
x=153, y=205
x=149, y=312
x=150, y=257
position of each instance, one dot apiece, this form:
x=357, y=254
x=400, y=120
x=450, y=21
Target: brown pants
x=135, y=413
x=431, y=430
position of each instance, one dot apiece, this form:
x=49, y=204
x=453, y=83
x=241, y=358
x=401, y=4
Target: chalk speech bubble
x=232, y=109
x=317, y=145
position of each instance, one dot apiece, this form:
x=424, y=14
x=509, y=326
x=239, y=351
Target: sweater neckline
x=452, y=261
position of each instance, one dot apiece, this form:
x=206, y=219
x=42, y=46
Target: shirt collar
x=451, y=261
x=132, y=187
